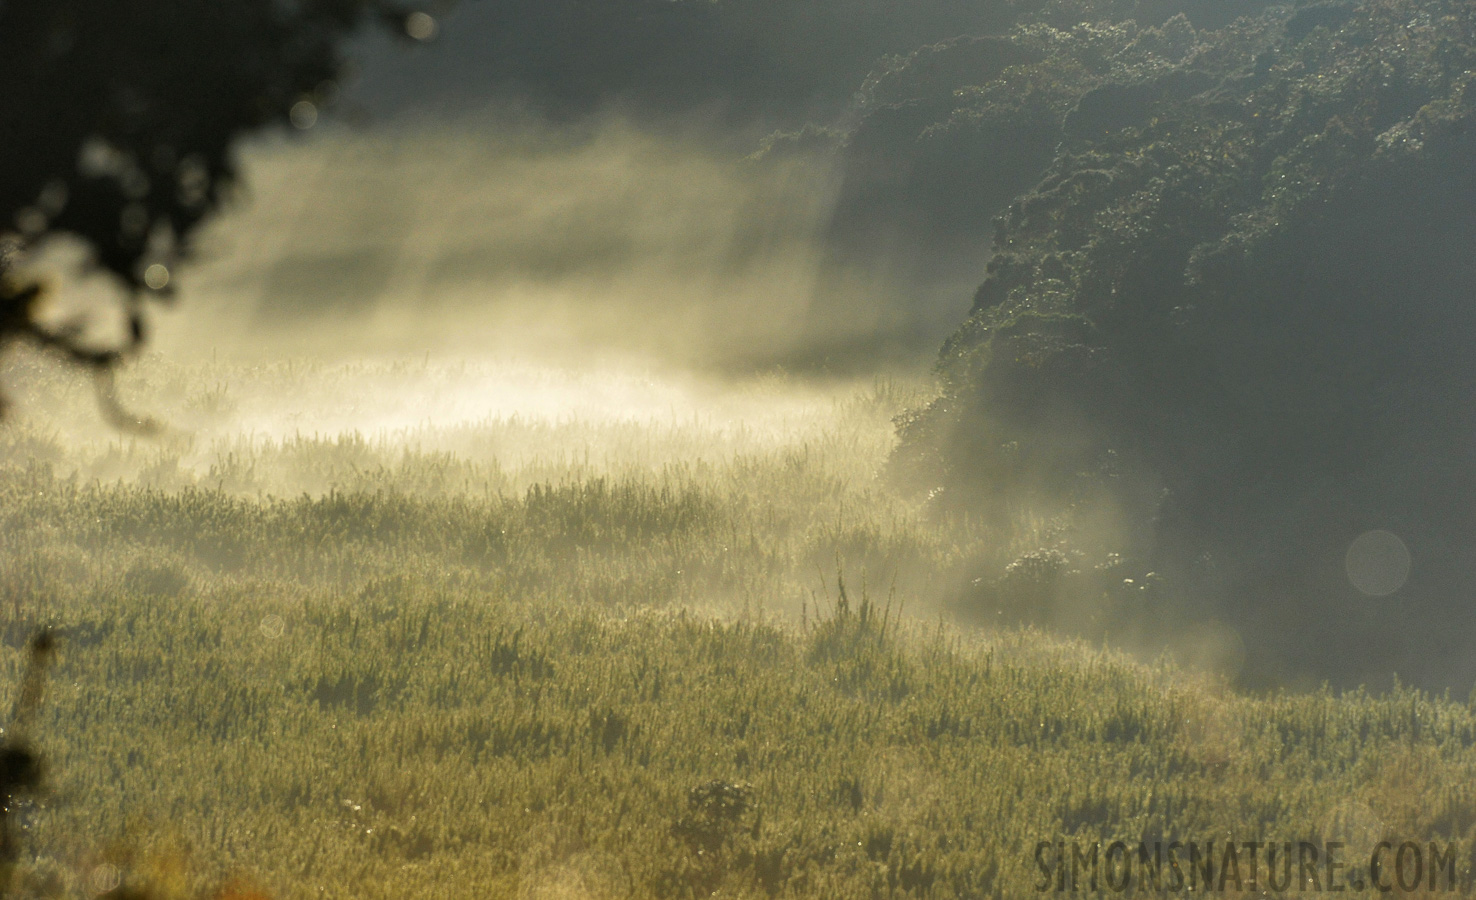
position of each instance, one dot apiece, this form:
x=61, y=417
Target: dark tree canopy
x=1231, y=321
x=117, y=122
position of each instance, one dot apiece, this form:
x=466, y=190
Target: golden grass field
x=403, y=629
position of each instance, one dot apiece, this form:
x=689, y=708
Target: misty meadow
x=748, y=449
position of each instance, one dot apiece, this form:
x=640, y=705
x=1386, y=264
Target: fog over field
x=495, y=238
x=558, y=450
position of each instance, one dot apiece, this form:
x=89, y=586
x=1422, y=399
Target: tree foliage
x=117, y=123
x=1231, y=309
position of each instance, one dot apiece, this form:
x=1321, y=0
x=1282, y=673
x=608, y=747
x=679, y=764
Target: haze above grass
x=413, y=629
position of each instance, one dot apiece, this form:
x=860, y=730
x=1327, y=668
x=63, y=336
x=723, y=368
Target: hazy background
x=495, y=235
x=560, y=182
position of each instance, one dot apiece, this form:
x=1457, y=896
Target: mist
x=565, y=240
x=497, y=238
x=748, y=448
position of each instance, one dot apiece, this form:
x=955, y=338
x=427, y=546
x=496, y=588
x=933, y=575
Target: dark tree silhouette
x=117, y=122
x=21, y=766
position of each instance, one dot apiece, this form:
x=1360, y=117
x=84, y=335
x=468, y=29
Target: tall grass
x=652, y=662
